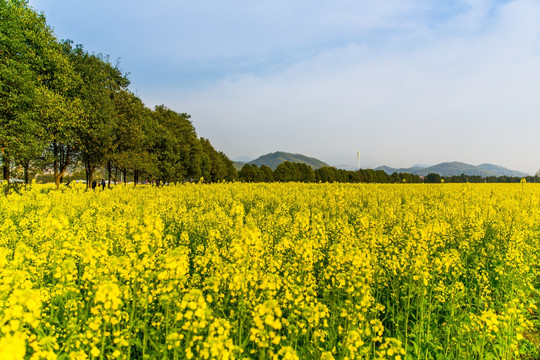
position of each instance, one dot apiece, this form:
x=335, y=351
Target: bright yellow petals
x=274, y=271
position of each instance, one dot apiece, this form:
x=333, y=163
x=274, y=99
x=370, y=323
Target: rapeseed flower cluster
x=270, y=271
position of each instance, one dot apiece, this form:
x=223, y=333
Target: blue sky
x=403, y=81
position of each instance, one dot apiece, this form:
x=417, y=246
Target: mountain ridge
x=456, y=168
x=273, y=160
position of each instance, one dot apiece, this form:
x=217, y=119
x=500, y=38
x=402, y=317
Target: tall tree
x=101, y=81
x=432, y=178
x=133, y=137
x=21, y=40
x=326, y=174
x=216, y=165
x=176, y=146
x=286, y=172
x=60, y=109
x=266, y=173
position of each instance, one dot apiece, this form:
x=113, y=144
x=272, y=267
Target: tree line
x=298, y=172
x=481, y=179
x=61, y=106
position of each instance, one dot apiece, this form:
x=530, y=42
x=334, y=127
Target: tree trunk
x=91, y=176
x=60, y=164
x=89, y=168
x=57, y=180
x=6, y=171
x=87, y=173
x=115, y=174
x=109, y=170
x=26, y=167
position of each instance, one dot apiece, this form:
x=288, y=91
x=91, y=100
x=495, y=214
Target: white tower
x=358, y=160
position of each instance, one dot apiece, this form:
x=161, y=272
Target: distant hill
x=274, y=159
x=501, y=170
x=243, y=159
x=457, y=168
x=412, y=170
x=238, y=165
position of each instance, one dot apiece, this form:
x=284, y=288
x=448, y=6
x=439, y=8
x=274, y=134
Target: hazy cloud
x=403, y=81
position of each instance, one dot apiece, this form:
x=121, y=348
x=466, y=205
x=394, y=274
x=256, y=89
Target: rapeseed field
x=271, y=271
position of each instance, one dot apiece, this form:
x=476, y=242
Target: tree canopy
x=61, y=106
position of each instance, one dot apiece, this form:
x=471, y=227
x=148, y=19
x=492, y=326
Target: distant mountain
x=412, y=170
x=389, y=170
x=243, y=159
x=501, y=170
x=274, y=159
x=238, y=165
x=457, y=168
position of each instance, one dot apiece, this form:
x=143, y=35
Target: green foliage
x=216, y=166
x=22, y=34
x=252, y=173
x=60, y=104
x=273, y=160
x=134, y=136
x=266, y=174
x=176, y=146
x=96, y=127
x=288, y=171
x=433, y=178
x=249, y=173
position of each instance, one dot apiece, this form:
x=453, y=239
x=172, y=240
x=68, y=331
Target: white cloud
x=461, y=98
x=473, y=18
x=406, y=81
